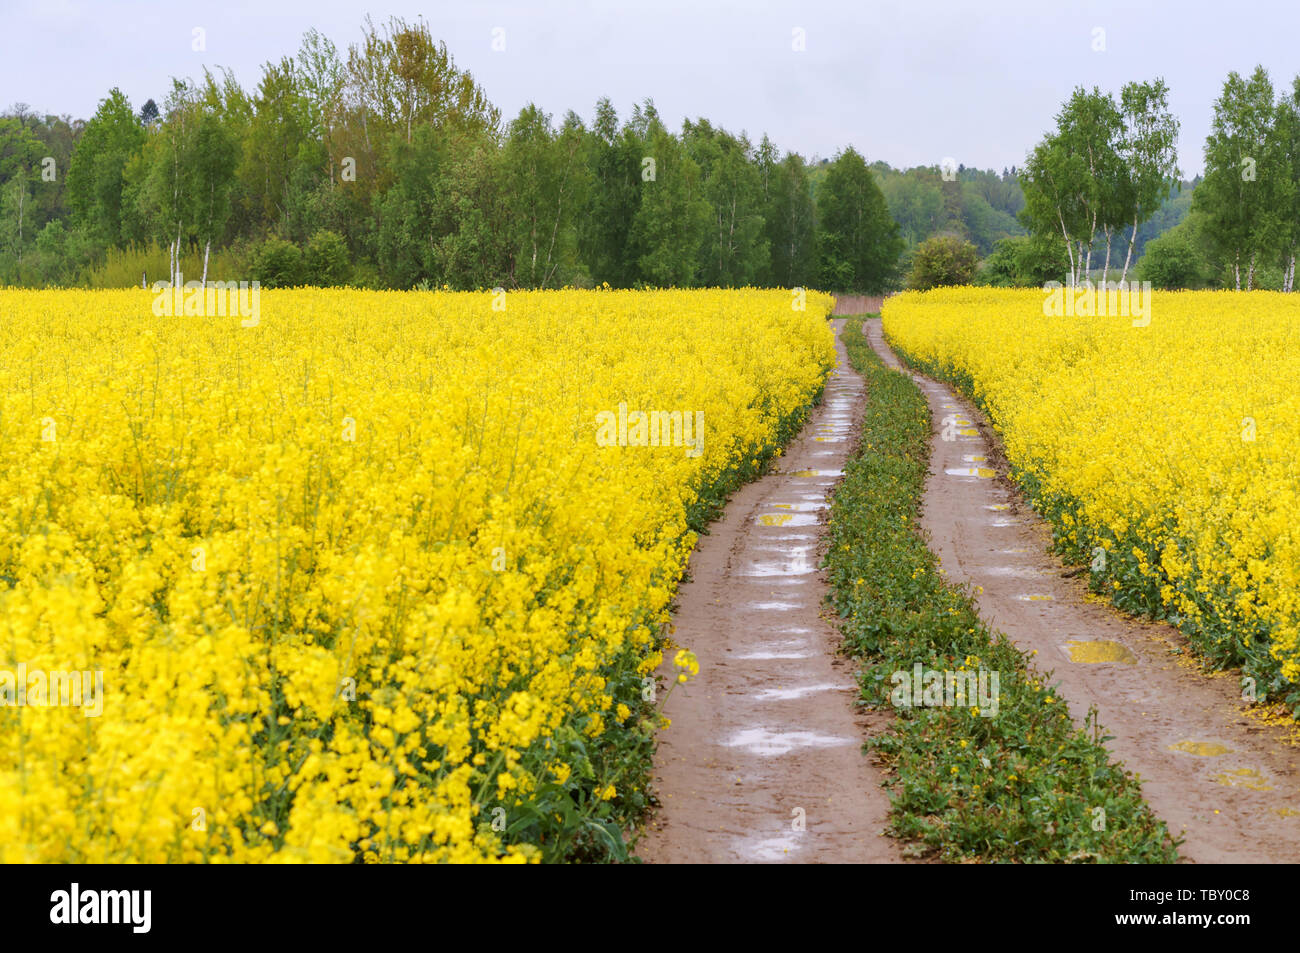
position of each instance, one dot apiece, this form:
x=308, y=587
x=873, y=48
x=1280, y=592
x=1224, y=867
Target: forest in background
x=385, y=166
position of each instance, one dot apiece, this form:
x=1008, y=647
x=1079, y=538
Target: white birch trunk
x=1069, y=248
x=22, y=194
x=1128, y=256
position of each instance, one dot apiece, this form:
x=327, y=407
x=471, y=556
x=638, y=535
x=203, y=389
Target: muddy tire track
x=1228, y=785
x=767, y=739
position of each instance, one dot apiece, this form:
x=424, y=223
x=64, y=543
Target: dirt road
x=764, y=761
x=858, y=304
x=1230, y=786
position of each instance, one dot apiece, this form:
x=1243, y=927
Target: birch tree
x=1147, y=148
x=1286, y=154
x=1240, y=173
x=1052, y=202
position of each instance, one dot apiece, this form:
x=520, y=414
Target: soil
x=858, y=304
x=764, y=759
x=1226, y=782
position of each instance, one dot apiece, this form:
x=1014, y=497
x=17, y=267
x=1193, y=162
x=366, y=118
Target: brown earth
x=858, y=304
x=763, y=761
x=1227, y=783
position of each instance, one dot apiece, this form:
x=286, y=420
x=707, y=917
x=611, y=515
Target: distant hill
x=983, y=206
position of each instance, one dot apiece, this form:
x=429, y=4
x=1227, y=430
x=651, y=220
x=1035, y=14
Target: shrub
x=943, y=260
x=1024, y=261
x=277, y=263
x=326, y=261
x=1171, y=262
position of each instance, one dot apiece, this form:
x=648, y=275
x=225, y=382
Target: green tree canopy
x=859, y=241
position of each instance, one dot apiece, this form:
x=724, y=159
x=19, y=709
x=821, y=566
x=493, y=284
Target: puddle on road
x=788, y=519
x=779, y=649
x=762, y=741
x=770, y=848
x=796, y=567
x=1202, y=749
x=1099, y=652
x=790, y=694
x=975, y=458
x=983, y=473
x=998, y=507
x=817, y=473
x=775, y=606
x=1243, y=778
x=1034, y=597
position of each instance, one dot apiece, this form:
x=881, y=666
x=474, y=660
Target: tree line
x=386, y=165
x=1248, y=206
x=1103, y=171
x=1108, y=171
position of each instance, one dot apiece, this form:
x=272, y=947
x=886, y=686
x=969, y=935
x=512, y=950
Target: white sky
x=907, y=81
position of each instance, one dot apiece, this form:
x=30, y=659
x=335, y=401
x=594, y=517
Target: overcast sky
x=907, y=81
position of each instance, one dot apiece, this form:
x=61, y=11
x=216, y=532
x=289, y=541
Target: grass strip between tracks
x=1024, y=784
